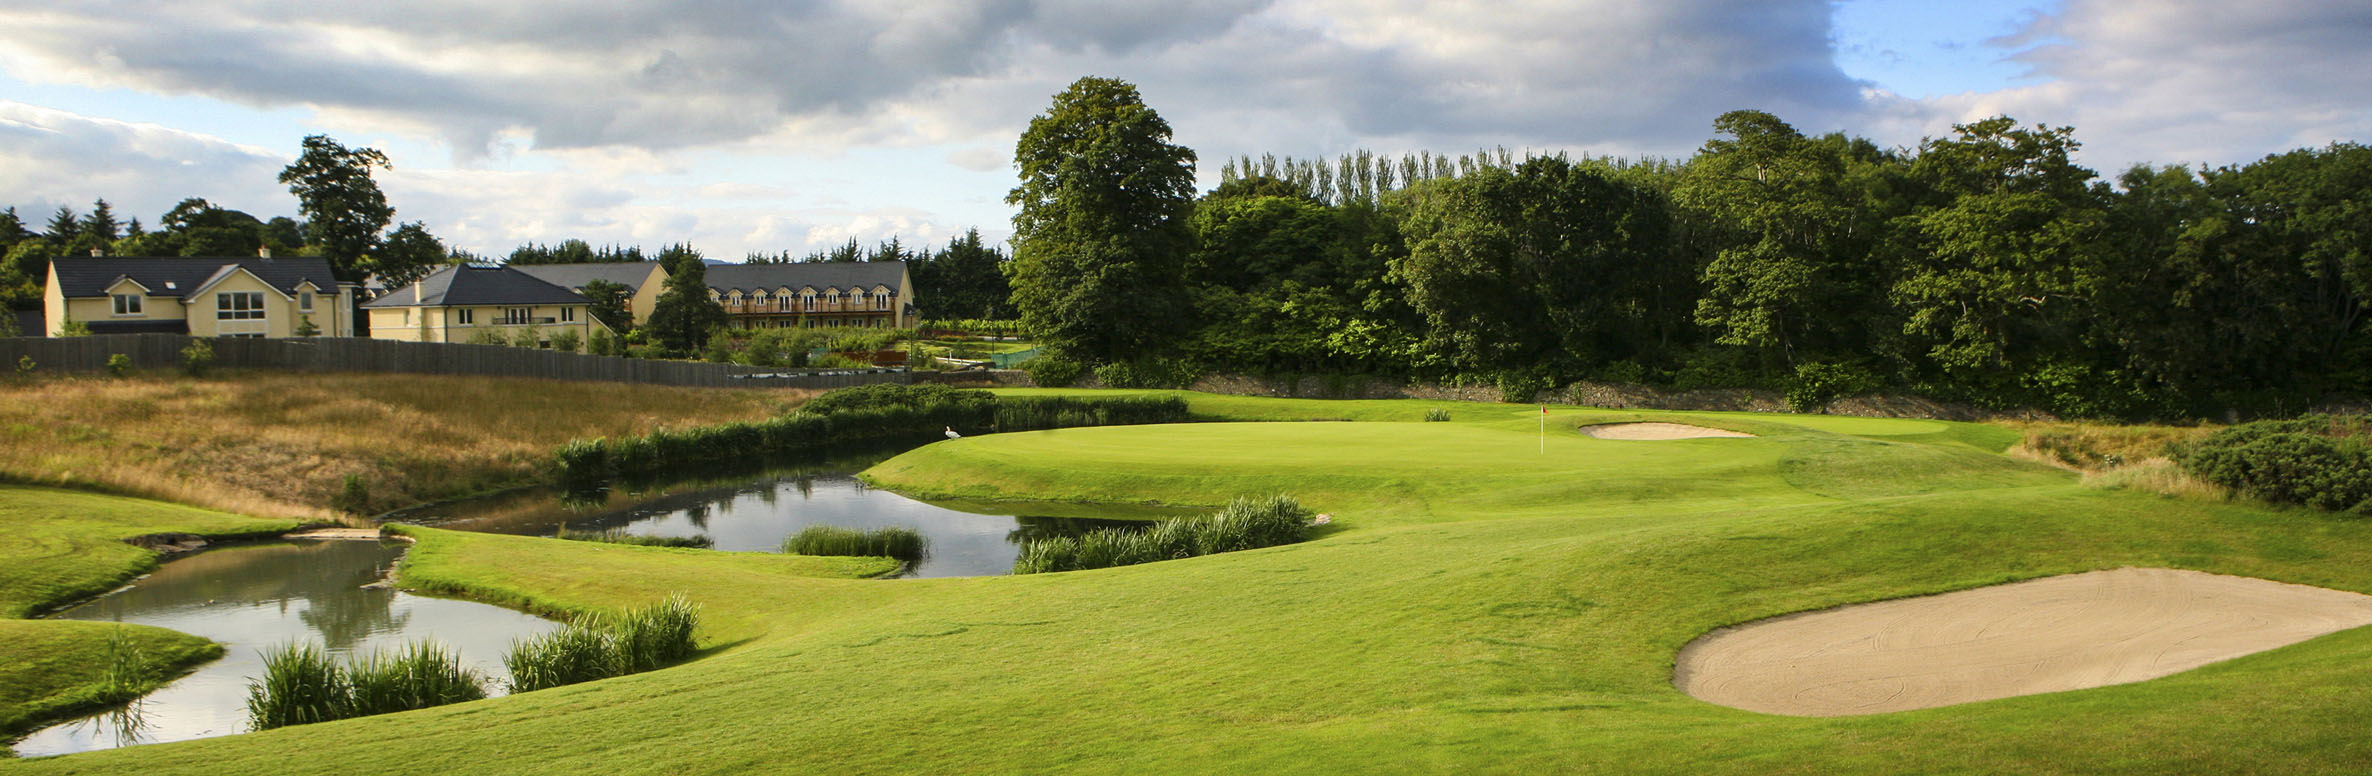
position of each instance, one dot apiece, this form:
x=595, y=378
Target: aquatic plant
x=416, y=676
x=647, y=637
x=1437, y=415
x=1245, y=524
x=620, y=536
x=896, y=542
x=580, y=652
x=300, y=685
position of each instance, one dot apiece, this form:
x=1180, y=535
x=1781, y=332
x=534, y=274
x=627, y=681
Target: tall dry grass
x=282, y=443
x=2117, y=457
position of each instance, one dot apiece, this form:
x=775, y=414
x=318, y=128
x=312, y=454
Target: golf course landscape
x=1498, y=593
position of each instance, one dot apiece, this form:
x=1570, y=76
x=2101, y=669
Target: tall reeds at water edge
x=1245, y=524
x=638, y=639
x=899, y=542
x=620, y=536
x=302, y=685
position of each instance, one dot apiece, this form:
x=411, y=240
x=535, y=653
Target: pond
x=755, y=515
x=252, y=597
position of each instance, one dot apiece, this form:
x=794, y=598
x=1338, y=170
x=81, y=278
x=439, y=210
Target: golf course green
x=1493, y=594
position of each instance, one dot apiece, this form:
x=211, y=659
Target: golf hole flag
x=1544, y=429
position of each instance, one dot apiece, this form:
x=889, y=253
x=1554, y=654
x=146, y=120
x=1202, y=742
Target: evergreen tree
x=684, y=315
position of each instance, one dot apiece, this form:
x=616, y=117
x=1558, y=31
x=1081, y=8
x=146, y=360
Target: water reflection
x=253, y=597
x=755, y=515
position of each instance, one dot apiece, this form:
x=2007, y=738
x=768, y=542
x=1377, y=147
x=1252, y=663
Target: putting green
x=1477, y=605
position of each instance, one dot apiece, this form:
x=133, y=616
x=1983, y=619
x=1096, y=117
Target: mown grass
x=52, y=670
x=1476, y=605
x=282, y=443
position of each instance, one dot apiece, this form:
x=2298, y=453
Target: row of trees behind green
x=1985, y=267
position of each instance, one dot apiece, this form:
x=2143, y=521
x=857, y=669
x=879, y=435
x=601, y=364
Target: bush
x=416, y=676
x=306, y=328
x=919, y=397
x=1146, y=373
x=1437, y=415
x=601, y=343
x=1245, y=524
x=119, y=364
x=197, y=357
x=1818, y=383
x=1523, y=387
x=353, y=496
x=2314, y=460
x=299, y=686
x=1053, y=371
x=899, y=542
x=566, y=341
x=487, y=337
x=25, y=365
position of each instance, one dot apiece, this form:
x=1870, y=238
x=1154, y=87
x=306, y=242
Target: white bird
x=951, y=433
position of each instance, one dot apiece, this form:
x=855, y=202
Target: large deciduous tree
x=1099, y=245
x=344, y=209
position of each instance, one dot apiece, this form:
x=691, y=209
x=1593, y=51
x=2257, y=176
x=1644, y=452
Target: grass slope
x=53, y=670
x=1478, y=606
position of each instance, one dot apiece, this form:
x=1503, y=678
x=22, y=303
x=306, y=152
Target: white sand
x=2045, y=635
x=1655, y=431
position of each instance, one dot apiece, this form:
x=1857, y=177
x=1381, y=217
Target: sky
x=752, y=126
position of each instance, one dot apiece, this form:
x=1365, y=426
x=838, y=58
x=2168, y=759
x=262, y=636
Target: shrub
x=895, y=542
x=1146, y=373
x=119, y=364
x=881, y=395
x=25, y=365
x=602, y=343
x=300, y=686
x=620, y=536
x=196, y=357
x=1053, y=371
x=1522, y=387
x=2314, y=460
x=1437, y=415
x=566, y=341
x=487, y=337
x=306, y=328
x=1818, y=383
x=353, y=496
x=74, y=329
x=416, y=676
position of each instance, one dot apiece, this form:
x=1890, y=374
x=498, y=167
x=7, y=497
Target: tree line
x=1984, y=267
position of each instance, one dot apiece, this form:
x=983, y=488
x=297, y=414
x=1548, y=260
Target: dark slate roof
x=476, y=286
x=829, y=274
x=173, y=277
x=630, y=274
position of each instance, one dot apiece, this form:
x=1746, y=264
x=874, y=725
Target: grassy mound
x=1476, y=604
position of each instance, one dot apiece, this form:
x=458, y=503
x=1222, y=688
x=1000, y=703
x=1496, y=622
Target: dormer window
x=305, y=301
x=127, y=304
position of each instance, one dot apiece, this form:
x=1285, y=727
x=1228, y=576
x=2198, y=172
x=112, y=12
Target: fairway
x=1488, y=598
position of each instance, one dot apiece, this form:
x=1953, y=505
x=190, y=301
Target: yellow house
x=465, y=304
x=870, y=294
x=258, y=297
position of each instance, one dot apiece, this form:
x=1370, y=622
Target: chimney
x=264, y=252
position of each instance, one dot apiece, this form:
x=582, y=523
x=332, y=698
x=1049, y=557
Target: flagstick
x=1544, y=429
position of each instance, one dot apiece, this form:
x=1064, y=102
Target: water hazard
x=961, y=539
x=252, y=597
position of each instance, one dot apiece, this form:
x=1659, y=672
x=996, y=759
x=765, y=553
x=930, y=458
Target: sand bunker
x=2045, y=635
x=1656, y=431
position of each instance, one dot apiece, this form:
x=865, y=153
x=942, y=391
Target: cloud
x=50, y=158
x=2181, y=81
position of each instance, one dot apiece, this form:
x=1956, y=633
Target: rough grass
x=281, y=443
x=1476, y=605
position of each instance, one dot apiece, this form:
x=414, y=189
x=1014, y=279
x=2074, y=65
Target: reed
x=300, y=685
x=127, y=672
x=648, y=637
x=896, y=542
x=581, y=652
x=1245, y=524
x=1437, y=415
x=620, y=536
x=416, y=676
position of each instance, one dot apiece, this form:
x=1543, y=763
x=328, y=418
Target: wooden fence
x=341, y=354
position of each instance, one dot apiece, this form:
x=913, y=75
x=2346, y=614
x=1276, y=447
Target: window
x=127, y=304
x=239, y=306
x=881, y=299
x=305, y=301
x=831, y=298
x=807, y=301
x=465, y=316
x=568, y=314
x=513, y=316
x=782, y=304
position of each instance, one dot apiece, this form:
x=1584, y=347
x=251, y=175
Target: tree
x=964, y=280
x=101, y=222
x=344, y=209
x=1100, y=243
x=64, y=226
x=408, y=254
x=684, y=314
x=608, y=304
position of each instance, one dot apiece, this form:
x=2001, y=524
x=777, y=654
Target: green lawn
x=60, y=545
x=1477, y=606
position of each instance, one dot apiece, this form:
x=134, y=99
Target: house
x=876, y=294
x=204, y=297
x=465, y=304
